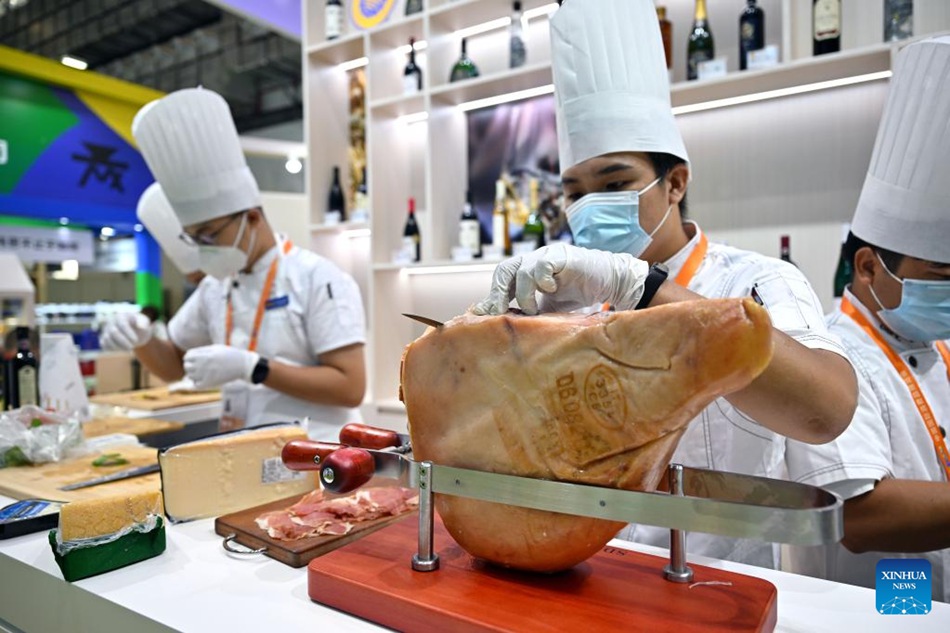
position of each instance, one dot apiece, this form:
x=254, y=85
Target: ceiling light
x=74, y=62
x=505, y=98
x=293, y=165
x=138, y=228
x=353, y=64
x=69, y=270
x=484, y=27
x=64, y=221
x=107, y=231
x=421, y=45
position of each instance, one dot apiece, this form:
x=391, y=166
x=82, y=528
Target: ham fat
x=600, y=399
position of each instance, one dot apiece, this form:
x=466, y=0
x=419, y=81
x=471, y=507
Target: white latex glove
x=569, y=277
x=126, y=331
x=214, y=365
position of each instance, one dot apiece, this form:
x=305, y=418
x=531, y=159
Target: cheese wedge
x=230, y=472
x=100, y=517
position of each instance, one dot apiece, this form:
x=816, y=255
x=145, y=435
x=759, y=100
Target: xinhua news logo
x=903, y=586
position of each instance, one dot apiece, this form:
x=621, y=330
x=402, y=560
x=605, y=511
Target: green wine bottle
x=701, y=47
x=464, y=68
x=534, y=226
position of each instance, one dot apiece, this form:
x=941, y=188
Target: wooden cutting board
x=43, y=481
x=614, y=590
x=140, y=427
x=157, y=398
x=294, y=553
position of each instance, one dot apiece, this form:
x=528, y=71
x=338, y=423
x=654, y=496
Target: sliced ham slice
x=600, y=399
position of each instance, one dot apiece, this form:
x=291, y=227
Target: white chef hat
x=190, y=143
x=611, y=86
x=905, y=203
x=157, y=215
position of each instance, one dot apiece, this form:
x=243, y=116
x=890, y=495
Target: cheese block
x=100, y=517
x=230, y=472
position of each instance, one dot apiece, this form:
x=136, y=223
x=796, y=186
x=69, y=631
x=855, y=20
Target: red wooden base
x=614, y=590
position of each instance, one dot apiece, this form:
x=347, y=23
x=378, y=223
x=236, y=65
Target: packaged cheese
x=230, y=471
x=99, y=517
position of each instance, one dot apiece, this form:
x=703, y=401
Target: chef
x=625, y=176
x=892, y=465
x=279, y=328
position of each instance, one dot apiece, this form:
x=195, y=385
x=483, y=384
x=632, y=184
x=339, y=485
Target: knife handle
x=363, y=436
x=306, y=454
x=347, y=469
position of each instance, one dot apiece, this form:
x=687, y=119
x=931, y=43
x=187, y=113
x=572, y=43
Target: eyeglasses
x=201, y=238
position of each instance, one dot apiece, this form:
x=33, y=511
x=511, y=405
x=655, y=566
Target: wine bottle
x=411, y=239
x=701, y=47
x=898, y=20
x=25, y=370
x=845, y=268
x=826, y=26
x=534, y=227
x=413, y=6
x=785, y=252
x=336, y=203
x=666, y=32
x=412, y=74
x=470, y=230
x=751, y=32
x=333, y=19
x=464, y=68
x=501, y=236
x=361, y=201
x=517, y=52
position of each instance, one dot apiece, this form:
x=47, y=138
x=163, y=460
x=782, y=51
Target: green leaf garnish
x=110, y=459
x=35, y=422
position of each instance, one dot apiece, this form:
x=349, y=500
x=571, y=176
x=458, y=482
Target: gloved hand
x=126, y=331
x=214, y=365
x=569, y=277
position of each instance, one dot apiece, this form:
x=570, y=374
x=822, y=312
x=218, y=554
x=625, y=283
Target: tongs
x=715, y=502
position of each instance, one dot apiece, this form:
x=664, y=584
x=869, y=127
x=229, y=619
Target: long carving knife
x=116, y=476
x=424, y=320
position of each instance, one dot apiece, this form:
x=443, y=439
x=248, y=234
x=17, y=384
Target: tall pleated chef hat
x=905, y=203
x=190, y=143
x=157, y=215
x=612, y=91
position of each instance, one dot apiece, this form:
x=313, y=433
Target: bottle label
x=26, y=381
x=695, y=59
x=334, y=21
x=470, y=235
x=498, y=230
x=410, y=84
x=827, y=19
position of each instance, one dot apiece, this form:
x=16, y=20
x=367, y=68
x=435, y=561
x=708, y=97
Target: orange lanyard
x=945, y=352
x=691, y=265
x=261, y=304
x=919, y=400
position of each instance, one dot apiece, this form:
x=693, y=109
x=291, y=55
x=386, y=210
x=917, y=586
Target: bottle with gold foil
x=701, y=47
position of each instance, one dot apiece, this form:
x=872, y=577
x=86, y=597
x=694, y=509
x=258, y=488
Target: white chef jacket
x=886, y=438
x=722, y=437
x=314, y=308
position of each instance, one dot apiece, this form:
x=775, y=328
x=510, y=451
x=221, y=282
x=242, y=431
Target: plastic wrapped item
x=30, y=435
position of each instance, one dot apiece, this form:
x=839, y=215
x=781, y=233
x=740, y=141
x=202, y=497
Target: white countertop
x=197, y=586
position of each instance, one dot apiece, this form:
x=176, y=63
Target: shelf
x=444, y=266
x=399, y=105
x=342, y=227
x=460, y=15
x=397, y=32
x=344, y=49
x=493, y=85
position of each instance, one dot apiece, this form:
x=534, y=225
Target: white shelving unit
x=776, y=151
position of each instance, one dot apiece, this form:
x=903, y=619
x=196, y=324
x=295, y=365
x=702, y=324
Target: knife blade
x=116, y=476
x=424, y=320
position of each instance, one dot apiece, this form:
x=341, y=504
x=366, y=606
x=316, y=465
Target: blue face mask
x=924, y=311
x=610, y=221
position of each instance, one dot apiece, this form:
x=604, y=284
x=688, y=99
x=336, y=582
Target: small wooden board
x=294, y=553
x=43, y=481
x=140, y=427
x=155, y=399
x=614, y=590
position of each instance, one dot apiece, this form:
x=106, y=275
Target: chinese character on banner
x=99, y=163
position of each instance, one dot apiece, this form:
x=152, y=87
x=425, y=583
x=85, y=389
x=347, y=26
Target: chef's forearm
x=321, y=384
x=805, y=394
x=899, y=515
x=162, y=358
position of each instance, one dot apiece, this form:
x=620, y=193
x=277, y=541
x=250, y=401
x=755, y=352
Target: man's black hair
x=662, y=164
x=854, y=243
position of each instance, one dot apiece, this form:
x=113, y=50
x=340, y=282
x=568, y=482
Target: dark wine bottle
x=464, y=68
x=751, y=32
x=517, y=52
x=826, y=26
x=411, y=239
x=25, y=371
x=785, y=252
x=336, y=202
x=412, y=74
x=701, y=47
x=413, y=6
x=666, y=32
x=470, y=229
x=333, y=19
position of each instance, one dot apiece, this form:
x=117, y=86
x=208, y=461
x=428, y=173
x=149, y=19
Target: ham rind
x=316, y=515
x=600, y=399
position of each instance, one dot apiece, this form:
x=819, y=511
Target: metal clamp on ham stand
x=714, y=502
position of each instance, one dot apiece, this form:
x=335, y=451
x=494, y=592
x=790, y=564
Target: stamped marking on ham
x=600, y=399
x=319, y=514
